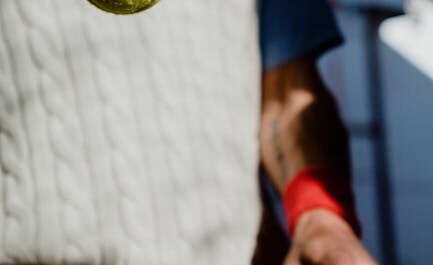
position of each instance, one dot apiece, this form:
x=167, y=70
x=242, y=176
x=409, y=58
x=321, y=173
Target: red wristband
x=319, y=187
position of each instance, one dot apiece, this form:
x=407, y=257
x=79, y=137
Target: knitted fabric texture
x=128, y=140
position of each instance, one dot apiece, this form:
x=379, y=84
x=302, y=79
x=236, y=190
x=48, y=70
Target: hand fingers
x=293, y=258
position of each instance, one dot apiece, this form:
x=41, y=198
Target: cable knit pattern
x=128, y=139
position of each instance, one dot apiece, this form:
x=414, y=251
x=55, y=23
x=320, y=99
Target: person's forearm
x=304, y=149
x=300, y=124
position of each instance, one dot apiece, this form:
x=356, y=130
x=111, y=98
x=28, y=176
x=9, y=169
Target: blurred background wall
x=387, y=104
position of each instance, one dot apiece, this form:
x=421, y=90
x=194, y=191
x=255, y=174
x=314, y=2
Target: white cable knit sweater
x=128, y=140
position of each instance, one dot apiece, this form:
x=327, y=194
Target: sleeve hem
x=275, y=57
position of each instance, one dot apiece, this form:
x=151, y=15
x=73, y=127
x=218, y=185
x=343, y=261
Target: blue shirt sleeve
x=292, y=28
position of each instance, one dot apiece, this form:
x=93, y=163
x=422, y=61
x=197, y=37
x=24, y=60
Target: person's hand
x=322, y=238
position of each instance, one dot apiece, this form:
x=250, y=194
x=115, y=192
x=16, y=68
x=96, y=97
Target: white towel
x=128, y=139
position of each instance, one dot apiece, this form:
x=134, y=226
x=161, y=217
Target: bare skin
x=300, y=126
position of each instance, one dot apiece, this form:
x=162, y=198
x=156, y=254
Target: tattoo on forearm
x=279, y=152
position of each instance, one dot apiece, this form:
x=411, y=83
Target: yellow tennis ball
x=123, y=7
